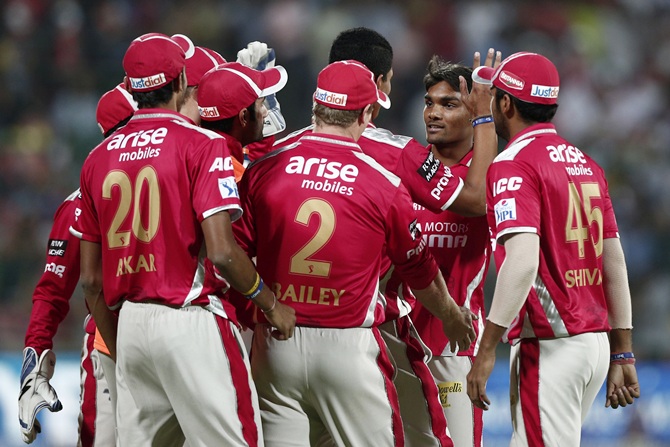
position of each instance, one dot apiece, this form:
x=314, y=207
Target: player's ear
x=126, y=84
x=243, y=116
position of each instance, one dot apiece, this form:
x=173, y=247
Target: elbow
x=222, y=260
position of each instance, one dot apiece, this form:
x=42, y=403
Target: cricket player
x=435, y=187
x=562, y=284
x=50, y=307
x=157, y=197
x=334, y=210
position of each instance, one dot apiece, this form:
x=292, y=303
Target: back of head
x=114, y=109
x=366, y=46
x=443, y=71
x=152, y=63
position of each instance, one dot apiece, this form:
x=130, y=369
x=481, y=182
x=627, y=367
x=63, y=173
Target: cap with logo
x=348, y=85
x=199, y=60
x=114, y=106
x=529, y=77
x=151, y=61
x=231, y=87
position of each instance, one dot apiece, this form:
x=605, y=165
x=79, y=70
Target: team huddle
x=355, y=257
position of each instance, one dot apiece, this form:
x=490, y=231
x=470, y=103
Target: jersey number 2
x=129, y=197
x=301, y=262
x=576, y=230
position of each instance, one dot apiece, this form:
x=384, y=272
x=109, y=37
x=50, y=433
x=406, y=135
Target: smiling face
x=447, y=119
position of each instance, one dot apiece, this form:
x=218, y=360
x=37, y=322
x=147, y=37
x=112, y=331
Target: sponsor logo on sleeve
x=57, y=247
x=444, y=181
x=429, y=167
x=415, y=230
x=505, y=210
x=228, y=188
x=56, y=269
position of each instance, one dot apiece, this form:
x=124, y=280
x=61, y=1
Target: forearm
x=105, y=320
x=436, y=298
x=615, y=283
x=516, y=277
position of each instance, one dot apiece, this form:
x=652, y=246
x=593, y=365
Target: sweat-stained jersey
x=317, y=216
x=461, y=247
x=51, y=298
x=543, y=184
x=145, y=191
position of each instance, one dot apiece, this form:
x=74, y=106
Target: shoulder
x=191, y=129
x=376, y=167
x=383, y=136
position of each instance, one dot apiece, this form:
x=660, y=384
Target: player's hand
x=479, y=100
x=478, y=376
x=622, y=386
x=458, y=328
x=257, y=55
x=282, y=318
x=36, y=392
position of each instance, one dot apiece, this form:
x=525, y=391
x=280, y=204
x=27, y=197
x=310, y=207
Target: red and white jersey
x=429, y=183
x=318, y=216
x=461, y=247
x=543, y=184
x=51, y=298
x=145, y=191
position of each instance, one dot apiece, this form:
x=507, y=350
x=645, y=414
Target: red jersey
x=543, y=184
x=460, y=245
x=430, y=184
x=51, y=298
x=145, y=190
x=318, y=215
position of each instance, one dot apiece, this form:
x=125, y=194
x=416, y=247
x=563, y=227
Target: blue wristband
x=482, y=120
x=254, y=293
x=621, y=356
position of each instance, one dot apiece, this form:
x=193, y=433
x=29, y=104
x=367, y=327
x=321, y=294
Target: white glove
x=36, y=392
x=257, y=55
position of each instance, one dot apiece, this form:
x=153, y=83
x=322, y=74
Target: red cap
x=113, y=107
x=348, y=85
x=529, y=77
x=151, y=61
x=199, y=60
x=231, y=87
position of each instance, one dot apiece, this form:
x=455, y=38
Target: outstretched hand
x=478, y=100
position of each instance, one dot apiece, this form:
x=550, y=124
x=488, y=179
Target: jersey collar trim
x=332, y=139
x=159, y=114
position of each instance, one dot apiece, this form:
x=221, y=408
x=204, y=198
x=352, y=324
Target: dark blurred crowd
x=58, y=56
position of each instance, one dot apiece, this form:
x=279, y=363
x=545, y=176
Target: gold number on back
x=576, y=230
x=147, y=176
x=301, y=262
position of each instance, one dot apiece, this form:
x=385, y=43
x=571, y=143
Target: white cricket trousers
x=183, y=374
x=326, y=387
x=553, y=383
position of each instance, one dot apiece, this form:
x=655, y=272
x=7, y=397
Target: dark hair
x=154, y=98
x=226, y=125
x=119, y=125
x=363, y=45
x=528, y=111
x=440, y=70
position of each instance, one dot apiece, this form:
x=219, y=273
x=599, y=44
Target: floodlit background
x=58, y=56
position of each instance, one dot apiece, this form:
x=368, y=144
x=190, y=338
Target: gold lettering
x=337, y=296
x=142, y=263
x=583, y=277
x=151, y=262
x=311, y=300
x=276, y=287
x=290, y=293
x=126, y=265
x=309, y=290
x=119, y=269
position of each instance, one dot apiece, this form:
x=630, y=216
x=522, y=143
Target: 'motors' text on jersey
x=567, y=297
x=157, y=177
x=342, y=210
x=461, y=247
